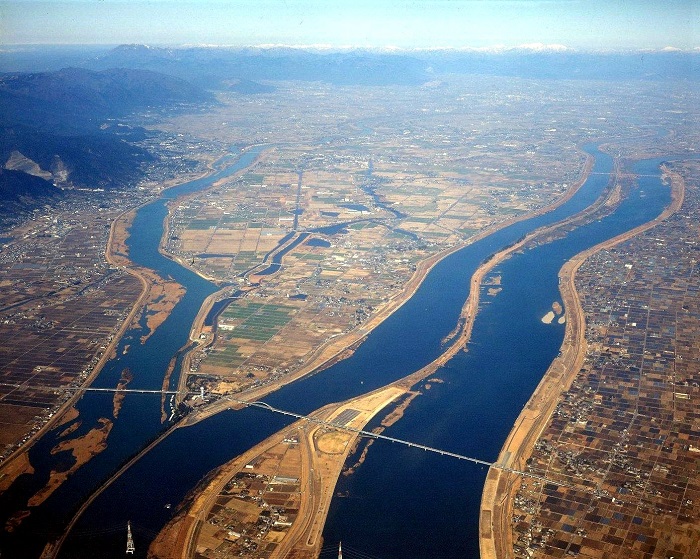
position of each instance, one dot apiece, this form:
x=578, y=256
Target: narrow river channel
x=402, y=502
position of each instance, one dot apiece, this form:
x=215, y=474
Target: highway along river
x=402, y=502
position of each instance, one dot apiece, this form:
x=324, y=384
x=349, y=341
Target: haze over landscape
x=417, y=277
x=578, y=24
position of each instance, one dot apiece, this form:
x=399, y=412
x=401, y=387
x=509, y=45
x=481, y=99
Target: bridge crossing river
x=331, y=424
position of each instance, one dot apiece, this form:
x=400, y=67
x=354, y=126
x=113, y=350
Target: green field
x=259, y=322
x=229, y=357
x=202, y=223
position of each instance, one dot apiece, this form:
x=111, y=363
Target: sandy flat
x=548, y=318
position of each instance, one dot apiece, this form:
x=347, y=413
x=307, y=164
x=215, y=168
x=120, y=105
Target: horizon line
x=389, y=49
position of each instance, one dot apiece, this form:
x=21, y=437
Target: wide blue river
x=402, y=502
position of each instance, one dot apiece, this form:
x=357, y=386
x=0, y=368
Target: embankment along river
x=402, y=502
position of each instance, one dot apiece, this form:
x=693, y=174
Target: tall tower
x=340, y=550
x=129, y=540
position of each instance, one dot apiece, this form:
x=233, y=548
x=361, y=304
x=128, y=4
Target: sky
x=578, y=24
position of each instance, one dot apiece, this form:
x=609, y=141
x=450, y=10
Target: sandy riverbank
x=115, y=256
x=496, y=507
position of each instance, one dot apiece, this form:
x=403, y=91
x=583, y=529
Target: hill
x=20, y=191
x=78, y=99
x=62, y=124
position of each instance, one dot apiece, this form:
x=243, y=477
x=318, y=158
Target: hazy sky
x=582, y=24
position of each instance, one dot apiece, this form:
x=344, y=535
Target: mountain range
x=209, y=66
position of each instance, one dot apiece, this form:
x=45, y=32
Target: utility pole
x=340, y=550
x=130, y=549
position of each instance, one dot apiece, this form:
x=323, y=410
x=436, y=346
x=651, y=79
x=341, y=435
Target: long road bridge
x=368, y=434
x=330, y=424
x=371, y=435
x=625, y=174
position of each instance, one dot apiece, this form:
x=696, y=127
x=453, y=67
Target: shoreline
x=123, y=218
x=319, y=470
x=495, y=536
x=109, y=351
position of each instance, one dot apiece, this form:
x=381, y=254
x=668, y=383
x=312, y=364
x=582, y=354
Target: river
x=402, y=502
x=433, y=504
x=139, y=419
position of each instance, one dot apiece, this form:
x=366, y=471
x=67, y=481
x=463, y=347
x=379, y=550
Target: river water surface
x=402, y=502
